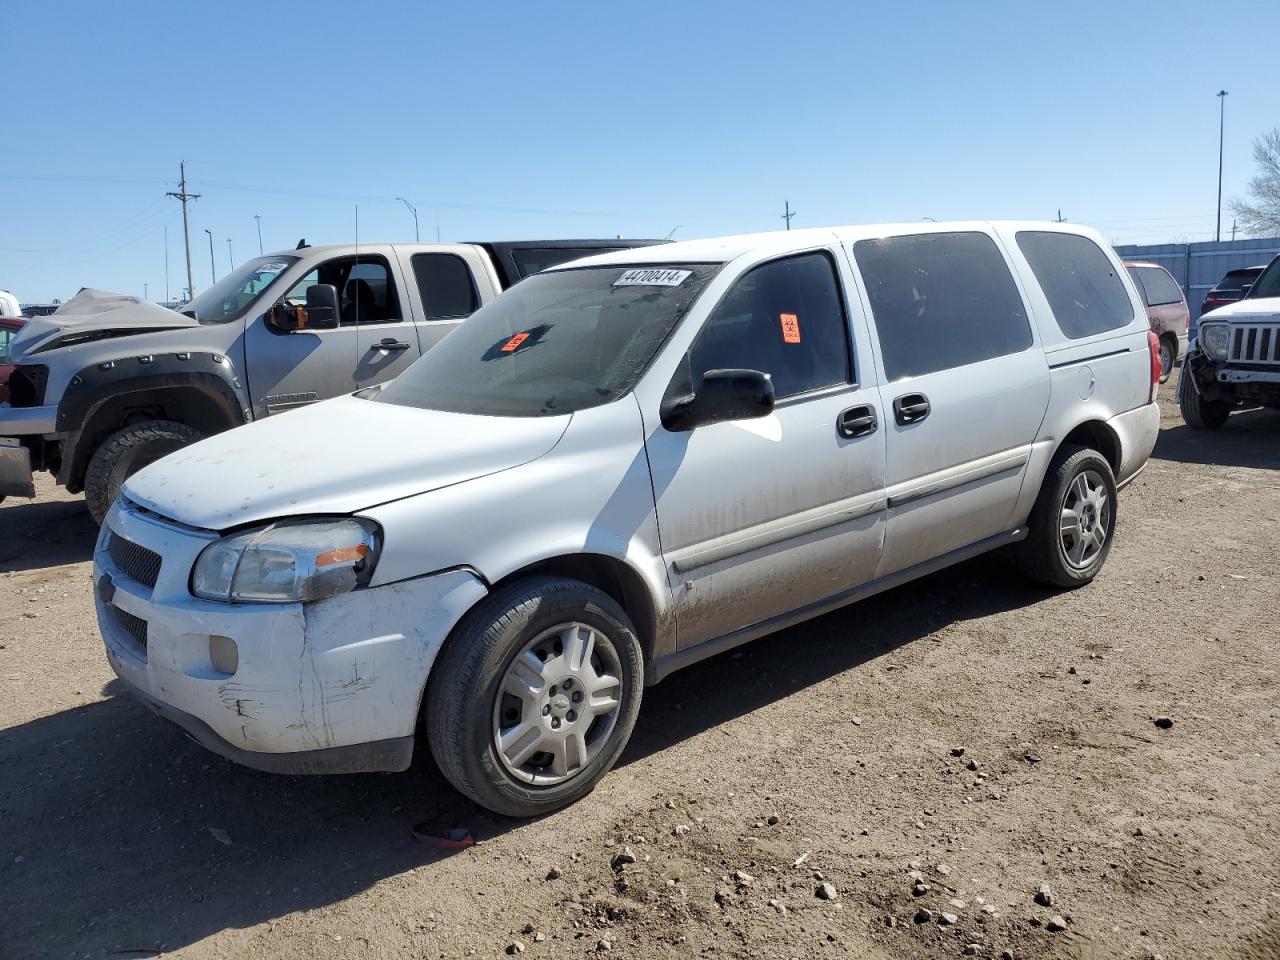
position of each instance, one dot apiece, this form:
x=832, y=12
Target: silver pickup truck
x=110, y=383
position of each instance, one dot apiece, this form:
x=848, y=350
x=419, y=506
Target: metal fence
x=1199, y=266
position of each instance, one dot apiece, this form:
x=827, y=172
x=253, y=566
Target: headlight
x=288, y=561
x=1214, y=338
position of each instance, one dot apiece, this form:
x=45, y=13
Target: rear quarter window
x=1080, y=282
x=1160, y=287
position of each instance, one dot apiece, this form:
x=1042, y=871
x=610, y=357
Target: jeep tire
x=1199, y=413
x=126, y=452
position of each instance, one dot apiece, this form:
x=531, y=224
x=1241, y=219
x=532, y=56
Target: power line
x=182, y=195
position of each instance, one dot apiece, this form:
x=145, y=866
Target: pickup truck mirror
x=722, y=395
x=321, y=312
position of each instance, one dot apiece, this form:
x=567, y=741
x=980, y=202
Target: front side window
x=366, y=292
x=1080, y=282
x=1267, y=285
x=941, y=300
x=554, y=343
x=1161, y=289
x=785, y=318
x=445, y=286
x=231, y=296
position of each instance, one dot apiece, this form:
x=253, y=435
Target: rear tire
x=1073, y=521
x=534, y=696
x=1199, y=413
x=126, y=452
x=1168, y=357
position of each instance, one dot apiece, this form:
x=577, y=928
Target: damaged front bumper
x=1231, y=383
x=328, y=687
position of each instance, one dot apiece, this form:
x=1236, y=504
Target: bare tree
x=1260, y=214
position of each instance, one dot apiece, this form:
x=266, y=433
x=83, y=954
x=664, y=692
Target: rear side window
x=1235, y=280
x=784, y=318
x=445, y=285
x=941, y=300
x=1080, y=282
x=1161, y=288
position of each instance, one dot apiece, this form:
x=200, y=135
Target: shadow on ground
x=35, y=534
x=1249, y=438
x=110, y=808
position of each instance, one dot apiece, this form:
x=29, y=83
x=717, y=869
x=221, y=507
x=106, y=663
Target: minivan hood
x=95, y=312
x=335, y=457
x=1251, y=308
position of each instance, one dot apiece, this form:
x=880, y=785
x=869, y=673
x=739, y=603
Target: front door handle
x=857, y=422
x=389, y=344
x=910, y=408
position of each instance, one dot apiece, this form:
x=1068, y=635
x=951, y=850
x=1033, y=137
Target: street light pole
x=258, y=218
x=1222, y=113
x=414, y=211
x=231, y=264
x=212, y=269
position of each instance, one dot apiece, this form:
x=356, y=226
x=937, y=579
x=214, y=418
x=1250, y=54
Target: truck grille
x=135, y=627
x=1255, y=344
x=135, y=561
x=26, y=385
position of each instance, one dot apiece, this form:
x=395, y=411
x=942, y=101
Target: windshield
x=554, y=343
x=229, y=297
x=1267, y=285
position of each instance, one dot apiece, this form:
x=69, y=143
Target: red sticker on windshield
x=790, y=328
x=514, y=342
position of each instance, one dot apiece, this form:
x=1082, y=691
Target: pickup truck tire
x=534, y=695
x=126, y=452
x=1199, y=413
x=1073, y=521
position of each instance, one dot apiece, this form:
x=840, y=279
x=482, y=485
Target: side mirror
x=722, y=395
x=321, y=312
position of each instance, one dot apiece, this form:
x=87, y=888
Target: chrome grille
x=1254, y=343
x=135, y=627
x=134, y=560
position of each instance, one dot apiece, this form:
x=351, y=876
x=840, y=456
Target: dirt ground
x=121, y=838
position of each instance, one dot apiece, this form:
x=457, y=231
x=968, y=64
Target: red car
x=9, y=327
x=1167, y=311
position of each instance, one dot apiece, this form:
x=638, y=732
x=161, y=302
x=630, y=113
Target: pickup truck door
x=966, y=386
x=759, y=518
x=447, y=286
x=289, y=370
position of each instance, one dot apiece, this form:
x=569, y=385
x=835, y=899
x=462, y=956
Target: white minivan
x=618, y=467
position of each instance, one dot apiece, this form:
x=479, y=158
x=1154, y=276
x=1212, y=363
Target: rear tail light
x=1157, y=368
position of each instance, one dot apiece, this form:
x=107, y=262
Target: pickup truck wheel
x=1073, y=520
x=534, y=696
x=126, y=452
x=1199, y=413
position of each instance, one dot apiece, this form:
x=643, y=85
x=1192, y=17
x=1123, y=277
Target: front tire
x=1199, y=413
x=1073, y=521
x=126, y=452
x=534, y=696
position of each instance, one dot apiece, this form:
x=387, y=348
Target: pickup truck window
x=366, y=292
x=230, y=297
x=533, y=260
x=1084, y=291
x=555, y=343
x=941, y=300
x=784, y=318
x=445, y=285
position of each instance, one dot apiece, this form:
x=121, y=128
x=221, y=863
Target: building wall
x=1199, y=266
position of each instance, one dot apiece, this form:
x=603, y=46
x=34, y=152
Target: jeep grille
x=1255, y=344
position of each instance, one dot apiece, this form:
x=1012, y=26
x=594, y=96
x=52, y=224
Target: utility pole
x=1061, y=218
x=437, y=224
x=212, y=269
x=414, y=211
x=258, y=218
x=1222, y=114
x=181, y=194
x=231, y=264
x=1233, y=230
x=788, y=214
x=166, y=263
x=146, y=291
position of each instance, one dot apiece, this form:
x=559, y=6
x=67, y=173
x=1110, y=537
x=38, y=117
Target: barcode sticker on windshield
x=652, y=278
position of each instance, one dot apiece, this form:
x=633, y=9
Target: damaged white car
x=617, y=468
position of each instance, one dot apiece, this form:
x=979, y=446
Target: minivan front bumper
x=332, y=686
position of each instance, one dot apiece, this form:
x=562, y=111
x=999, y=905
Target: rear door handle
x=857, y=422
x=910, y=408
x=389, y=345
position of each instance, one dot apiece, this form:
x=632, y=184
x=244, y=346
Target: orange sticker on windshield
x=790, y=328
x=514, y=342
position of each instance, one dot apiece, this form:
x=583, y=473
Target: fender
x=211, y=375
x=1200, y=370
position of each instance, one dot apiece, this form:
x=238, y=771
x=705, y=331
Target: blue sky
x=594, y=119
